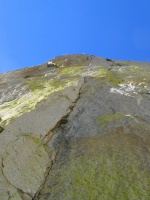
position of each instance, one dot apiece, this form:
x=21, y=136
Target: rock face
x=75, y=127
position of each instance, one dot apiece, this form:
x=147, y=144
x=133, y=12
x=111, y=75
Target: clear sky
x=34, y=31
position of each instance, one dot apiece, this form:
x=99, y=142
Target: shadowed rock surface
x=75, y=127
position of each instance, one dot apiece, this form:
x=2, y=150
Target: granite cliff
x=75, y=127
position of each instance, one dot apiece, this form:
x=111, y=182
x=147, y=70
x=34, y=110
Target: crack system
x=47, y=174
x=53, y=131
x=45, y=140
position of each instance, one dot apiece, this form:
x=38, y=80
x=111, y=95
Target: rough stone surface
x=25, y=164
x=75, y=127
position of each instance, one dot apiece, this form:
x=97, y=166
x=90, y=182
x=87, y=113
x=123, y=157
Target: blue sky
x=34, y=31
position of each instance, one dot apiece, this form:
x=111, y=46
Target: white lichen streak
x=17, y=91
x=122, y=69
x=50, y=74
x=127, y=89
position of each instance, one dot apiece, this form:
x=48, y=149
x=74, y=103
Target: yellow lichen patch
x=37, y=141
x=30, y=136
x=134, y=68
x=47, y=148
x=108, y=76
x=139, y=75
x=142, y=85
x=39, y=89
x=104, y=119
x=44, y=84
x=71, y=60
x=71, y=70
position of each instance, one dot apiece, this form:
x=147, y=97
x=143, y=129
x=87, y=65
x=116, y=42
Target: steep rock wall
x=75, y=127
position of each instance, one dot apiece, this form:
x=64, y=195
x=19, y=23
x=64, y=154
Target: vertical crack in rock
x=23, y=195
x=47, y=174
x=31, y=152
x=52, y=133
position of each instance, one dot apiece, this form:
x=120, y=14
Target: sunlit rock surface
x=75, y=127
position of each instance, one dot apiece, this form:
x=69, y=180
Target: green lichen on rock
x=105, y=179
x=40, y=144
x=15, y=197
x=47, y=148
x=71, y=60
x=18, y=106
x=72, y=70
x=108, y=76
x=39, y=89
x=37, y=83
x=135, y=69
x=36, y=140
x=32, y=137
x=142, y=84
x=139, y=75
x=105, y=119
x=106, y=167
x=44, y=84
